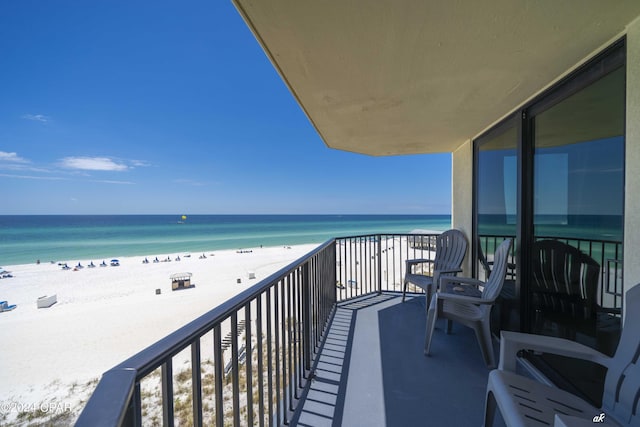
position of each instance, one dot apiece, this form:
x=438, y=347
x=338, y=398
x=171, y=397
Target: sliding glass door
x=578, y=203
x=551, y=176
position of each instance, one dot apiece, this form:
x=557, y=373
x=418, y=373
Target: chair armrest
x=417, y=261
x=461, y=298
x=464, y=280
x=412, y=262
x=512, y=342
x=449, y=270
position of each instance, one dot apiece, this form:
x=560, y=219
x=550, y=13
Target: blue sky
x=172, y=107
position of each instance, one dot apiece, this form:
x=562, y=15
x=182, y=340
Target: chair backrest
x=621, y=396
x=483, y=260
x=451, y=246
x=493, y=286
x=565, y=280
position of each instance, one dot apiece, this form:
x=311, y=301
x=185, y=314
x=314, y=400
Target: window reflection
x=578, y=206
x=496, y=217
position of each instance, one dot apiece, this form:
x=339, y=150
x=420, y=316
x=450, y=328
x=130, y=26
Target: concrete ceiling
x=386, y=77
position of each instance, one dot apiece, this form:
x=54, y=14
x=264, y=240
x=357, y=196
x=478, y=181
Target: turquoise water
x=27, y=238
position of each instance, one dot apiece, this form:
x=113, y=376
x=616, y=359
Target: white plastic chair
x=471, y=311
x=526, y=402
x=451, y=246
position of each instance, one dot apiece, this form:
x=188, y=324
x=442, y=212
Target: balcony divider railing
x=269, y=336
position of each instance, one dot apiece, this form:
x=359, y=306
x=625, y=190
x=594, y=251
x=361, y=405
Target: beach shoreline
x=104, y=315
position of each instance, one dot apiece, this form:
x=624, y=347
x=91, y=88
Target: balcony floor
x=372, y=370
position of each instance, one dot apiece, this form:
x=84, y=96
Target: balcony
x=325, y=340
x=371, y=369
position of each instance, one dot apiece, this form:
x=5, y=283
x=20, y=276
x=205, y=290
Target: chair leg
x=449, y=326
x=432, y=316
x=483, y=334
x=489, y=409
x=404, y=290
x=427, y=297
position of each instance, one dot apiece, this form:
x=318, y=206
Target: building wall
x=632, y=160
x=462, y=169
x=462, y=195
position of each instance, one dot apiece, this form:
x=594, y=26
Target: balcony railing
x=249, y=359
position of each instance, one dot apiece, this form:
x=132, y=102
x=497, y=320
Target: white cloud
x=189, y=182
x=93, y=164
x=46, y=178
x=11, y=158
x=140, y=163
x=109, y=181
x=36, y=117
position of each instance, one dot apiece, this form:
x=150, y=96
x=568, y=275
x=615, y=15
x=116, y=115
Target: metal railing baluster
x=259, y=351
x=196, y=383
x=269, y=358
x=248, y=348
x=276, y=324
x=235, y=391
x=167, y=393
x=218, y=364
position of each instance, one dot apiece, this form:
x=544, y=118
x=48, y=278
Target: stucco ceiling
x=386, y=77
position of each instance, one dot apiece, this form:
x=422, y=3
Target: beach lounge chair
x=451, y=247
x=4, y=306
x=525, y=402
x=458, y=303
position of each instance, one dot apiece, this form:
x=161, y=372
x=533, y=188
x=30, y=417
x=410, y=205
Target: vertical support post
x=333, y=274
x=378, y=258
x=133, y=416
x=306, y=318
x=219, y=374
x=248, y=362
x=196, y=383
x=269, y=358
x=259, y=351
x=276, y=339
x=285, y=349
x=524, y=228
x=235, y=374
x=167, y=393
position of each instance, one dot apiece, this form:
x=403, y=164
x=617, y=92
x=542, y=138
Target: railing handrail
x=435, y=233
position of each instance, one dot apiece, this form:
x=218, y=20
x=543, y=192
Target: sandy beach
x=104, y=315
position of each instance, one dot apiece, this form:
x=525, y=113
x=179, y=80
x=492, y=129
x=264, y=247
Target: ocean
x=593, y=227
x=27, y=238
